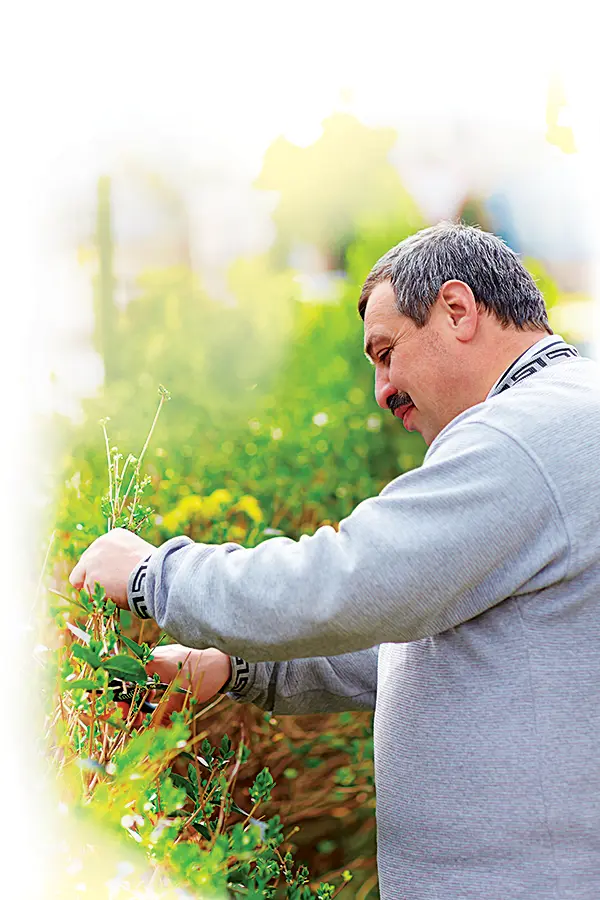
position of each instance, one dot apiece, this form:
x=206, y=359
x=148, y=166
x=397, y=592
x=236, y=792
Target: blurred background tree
x=326, y=190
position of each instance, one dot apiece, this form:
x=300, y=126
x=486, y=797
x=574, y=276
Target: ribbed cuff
x=240, y=676
x=135, y=590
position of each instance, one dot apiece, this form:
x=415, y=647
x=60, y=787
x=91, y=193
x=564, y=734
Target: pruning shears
x=124, y=691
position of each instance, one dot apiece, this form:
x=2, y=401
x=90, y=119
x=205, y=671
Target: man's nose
x=383, y=390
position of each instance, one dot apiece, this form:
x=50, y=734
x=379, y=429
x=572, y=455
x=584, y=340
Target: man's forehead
x=381, y=304
x=382, y=319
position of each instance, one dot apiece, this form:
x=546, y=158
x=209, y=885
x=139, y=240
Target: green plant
x=114, y=504
x=167, y=788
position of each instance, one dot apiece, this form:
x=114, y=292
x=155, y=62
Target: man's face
x=414, y=369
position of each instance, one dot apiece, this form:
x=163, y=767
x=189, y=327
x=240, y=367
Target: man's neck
x=508, y=354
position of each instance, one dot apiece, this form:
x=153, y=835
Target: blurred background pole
x=105, y=312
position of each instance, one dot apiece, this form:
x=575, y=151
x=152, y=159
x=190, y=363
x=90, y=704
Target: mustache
x=397, y=400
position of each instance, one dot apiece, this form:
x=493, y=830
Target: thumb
x=77, y=576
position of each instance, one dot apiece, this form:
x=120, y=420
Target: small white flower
x=276, y=434
x=321, y=419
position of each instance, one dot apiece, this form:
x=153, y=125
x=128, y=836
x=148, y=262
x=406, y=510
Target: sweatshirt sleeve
x=313, y=685
x=478, y=522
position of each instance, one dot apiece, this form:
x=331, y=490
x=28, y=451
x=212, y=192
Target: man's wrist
x=135, y=590
x=240, y=676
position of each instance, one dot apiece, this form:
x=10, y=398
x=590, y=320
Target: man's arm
x=314, y=685
x=477, y=523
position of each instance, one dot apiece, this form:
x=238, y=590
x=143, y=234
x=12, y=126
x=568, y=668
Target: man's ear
x=458, y=309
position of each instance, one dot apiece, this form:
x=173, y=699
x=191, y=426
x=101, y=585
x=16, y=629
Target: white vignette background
x=61, y=100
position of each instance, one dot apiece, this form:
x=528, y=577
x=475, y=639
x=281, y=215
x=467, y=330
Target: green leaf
x=181, y=782
x=202, y=829
x=207, y=751
x=238, y=809
x=193, y=776
x=274, y=831
x=262, y=787
x=83, y=683
x=88, y=656
x=125, y=667
x=186, y=755
x=326, y=846
x=99, y=594
x=85, y=600
x=244, y=752
x=325, y=891
x=135, y=648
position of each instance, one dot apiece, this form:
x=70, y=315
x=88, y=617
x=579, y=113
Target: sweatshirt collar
x=546, y=352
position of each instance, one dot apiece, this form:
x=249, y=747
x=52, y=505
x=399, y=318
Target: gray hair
x=419, y=266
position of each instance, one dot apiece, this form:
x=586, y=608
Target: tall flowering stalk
x=114, y=504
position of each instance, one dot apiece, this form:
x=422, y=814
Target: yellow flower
x=249, y=505
x=236, y=533
x=215, y=501
x=185, y=510
x=171, y=522
x=190, y=505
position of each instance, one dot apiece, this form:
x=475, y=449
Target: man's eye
x=383, y=357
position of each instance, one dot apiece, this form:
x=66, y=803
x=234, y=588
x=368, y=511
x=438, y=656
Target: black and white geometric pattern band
x=136, y=594
x=547, y=356
x=240, y=675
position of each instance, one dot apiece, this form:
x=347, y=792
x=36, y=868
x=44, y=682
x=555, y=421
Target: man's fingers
x=165, y=664
x=77, y=576
x=161, y=667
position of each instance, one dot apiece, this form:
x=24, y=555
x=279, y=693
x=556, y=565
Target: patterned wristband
x=240, y=675
x=137, y=599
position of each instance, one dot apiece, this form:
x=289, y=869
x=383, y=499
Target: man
x=461, y=603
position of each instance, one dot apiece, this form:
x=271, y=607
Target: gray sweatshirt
x=462, y=605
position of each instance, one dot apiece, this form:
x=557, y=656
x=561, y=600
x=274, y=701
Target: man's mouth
x=402, y=411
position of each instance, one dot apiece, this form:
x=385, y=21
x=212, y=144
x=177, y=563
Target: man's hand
x=204, y=671
x=110, y=560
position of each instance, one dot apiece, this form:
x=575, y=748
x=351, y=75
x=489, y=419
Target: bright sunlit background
x=494, y=116
x=181, y=115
